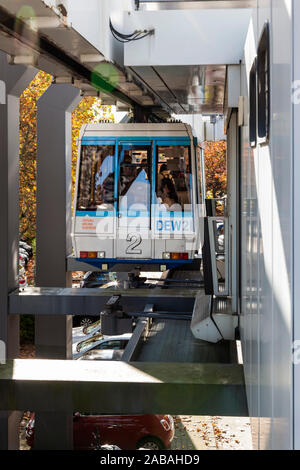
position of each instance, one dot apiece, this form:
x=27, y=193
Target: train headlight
x=101, y=254
x=166, y=255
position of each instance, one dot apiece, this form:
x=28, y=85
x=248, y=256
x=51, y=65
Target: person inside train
x=169, y=196
x=134, y=184
x=127, y=173
x=163, y=174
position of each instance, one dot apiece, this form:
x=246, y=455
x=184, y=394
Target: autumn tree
x=215, y=169
x=88, y=110
x=28, y=146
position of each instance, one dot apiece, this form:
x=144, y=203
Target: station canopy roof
x=40, y=35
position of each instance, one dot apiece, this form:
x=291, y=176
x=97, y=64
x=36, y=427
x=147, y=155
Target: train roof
x=136, y=129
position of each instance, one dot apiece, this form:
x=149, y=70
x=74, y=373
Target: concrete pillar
x=54, y=212
x=53, y=334
x=13, y=80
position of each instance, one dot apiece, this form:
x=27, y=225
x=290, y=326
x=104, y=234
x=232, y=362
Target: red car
x=129, y=432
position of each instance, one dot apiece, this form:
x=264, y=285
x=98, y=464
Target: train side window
x=173, y=179
x=253, y=106
x=96, y=178
x=263, y=83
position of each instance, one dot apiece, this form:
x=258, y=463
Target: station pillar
x=13, y=80
x=53, y=334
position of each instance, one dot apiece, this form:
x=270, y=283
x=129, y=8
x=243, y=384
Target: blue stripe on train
x=95, y=213
x=98, y=262
x=142, y=140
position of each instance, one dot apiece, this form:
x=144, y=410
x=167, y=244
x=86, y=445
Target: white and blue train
x=139, y=196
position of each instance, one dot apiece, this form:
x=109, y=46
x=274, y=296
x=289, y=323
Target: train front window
x=134, y=178
x=173, y=179
x=96, y=178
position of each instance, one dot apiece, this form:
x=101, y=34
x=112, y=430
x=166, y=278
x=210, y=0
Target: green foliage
x=26, y=329
x=28, y=146
x=88, y=110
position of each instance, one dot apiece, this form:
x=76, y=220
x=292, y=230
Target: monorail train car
x=139, y=196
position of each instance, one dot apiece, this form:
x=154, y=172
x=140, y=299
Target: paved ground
x=212, y=433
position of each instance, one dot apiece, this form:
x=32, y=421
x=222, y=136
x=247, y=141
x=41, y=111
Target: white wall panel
x=187, y=37
x=266, y=242
x=296, y=190
x=249, y=319
x=282, y=222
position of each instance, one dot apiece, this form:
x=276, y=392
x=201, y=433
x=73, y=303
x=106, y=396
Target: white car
x=92, y=329
x=101, y=342
x=102, y=355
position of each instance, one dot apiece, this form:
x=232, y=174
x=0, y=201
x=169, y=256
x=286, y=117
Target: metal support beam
x=117, y=387
x=135, y=343
x=13, y=80
x=53, y=335
x=65, y=301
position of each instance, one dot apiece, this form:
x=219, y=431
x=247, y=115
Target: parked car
x=128, y=432
x=93, y=279
x=102, y=355
x=93, y=328
x=25, y=253
x=101, y=342
x=22, y=274
x=24, y=256
x=26, y=247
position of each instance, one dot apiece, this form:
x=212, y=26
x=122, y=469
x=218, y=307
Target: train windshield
x=173, y=181
x=134, y=179
x=174, y=178
x=96, y=178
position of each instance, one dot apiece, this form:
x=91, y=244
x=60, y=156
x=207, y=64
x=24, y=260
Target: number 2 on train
x=135, y=240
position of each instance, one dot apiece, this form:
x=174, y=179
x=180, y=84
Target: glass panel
x=96, y=178
x=253, y=106
x=173, y=180
x=263, y=85
x=134, y=178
